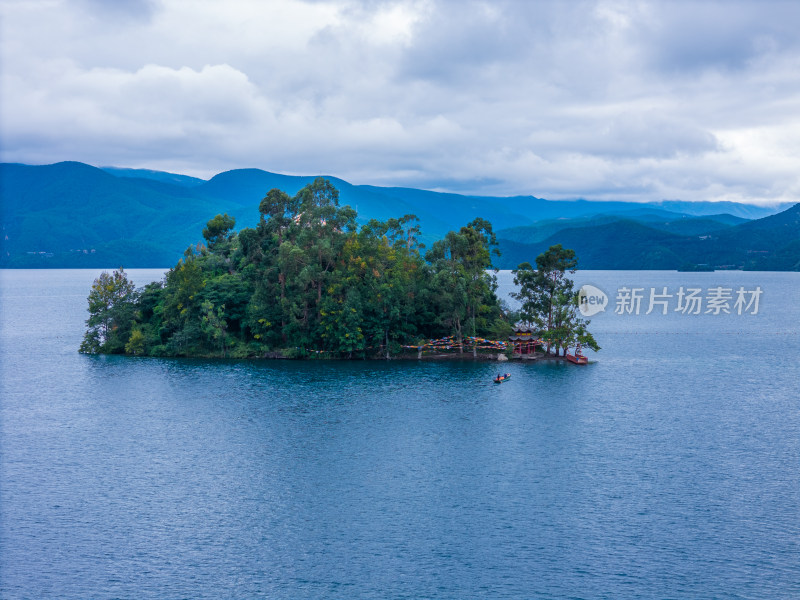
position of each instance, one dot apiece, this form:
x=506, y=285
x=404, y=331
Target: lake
x=669, y=467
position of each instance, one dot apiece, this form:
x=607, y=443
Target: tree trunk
x=282, y=279
x=387, y=344
x=472, y=310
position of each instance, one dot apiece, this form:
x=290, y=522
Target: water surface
x=667, y=468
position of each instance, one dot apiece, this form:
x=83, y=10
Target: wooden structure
x=577, y=358
x=524, y=340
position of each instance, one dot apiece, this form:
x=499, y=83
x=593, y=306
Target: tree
x=319, y=194
x=278, y=212
x=306, y=279
x=218, y=229
x=111, y=312
x=180, y=298
x=465, y=289
x=547, y=294
x=214, y=324
x=449, y=280
x=136, y=343
x=481, y=243
x=569, y=327
x=379, y=274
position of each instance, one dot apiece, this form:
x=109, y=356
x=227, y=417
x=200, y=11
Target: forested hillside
x=75, y=215
x=770, y=243
x=306, y=279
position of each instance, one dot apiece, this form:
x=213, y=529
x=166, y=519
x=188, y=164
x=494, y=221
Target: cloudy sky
x=632, y=100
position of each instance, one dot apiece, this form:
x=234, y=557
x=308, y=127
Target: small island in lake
x=308, y=281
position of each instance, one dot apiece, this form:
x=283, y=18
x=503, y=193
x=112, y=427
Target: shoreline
x=467, y=356
x=444, y=356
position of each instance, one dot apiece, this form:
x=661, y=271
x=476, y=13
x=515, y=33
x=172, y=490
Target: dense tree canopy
x=307, y=280
x=112, y=310
x=550, y=302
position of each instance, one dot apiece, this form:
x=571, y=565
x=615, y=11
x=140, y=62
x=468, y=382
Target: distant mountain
x=455, y=210
x=246, y=187
x=704, y=209
x=538, y=209
x=660, y=220
x=619, y=244
x=183, y=180
x=68, y=208
x=74, y=215
x=769, y=243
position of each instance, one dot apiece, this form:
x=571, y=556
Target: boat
x=502, y=378
x=578, y=359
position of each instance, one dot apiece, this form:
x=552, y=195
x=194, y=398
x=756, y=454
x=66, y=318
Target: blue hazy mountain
x=659, y=220
x=85, y=216
x=612, y=242
x=182, y=180
x=74, y=215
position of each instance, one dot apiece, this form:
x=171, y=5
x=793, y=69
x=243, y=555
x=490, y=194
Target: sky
x=624, y=100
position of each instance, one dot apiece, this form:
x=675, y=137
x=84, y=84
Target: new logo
x=591, y=300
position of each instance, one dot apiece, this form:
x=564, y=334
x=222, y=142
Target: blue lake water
x=668, y=468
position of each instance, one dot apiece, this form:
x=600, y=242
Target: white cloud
x=603, y=99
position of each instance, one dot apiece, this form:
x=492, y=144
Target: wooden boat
x=578, y=359
x=502, y=378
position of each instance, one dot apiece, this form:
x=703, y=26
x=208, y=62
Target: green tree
x=377, y=277
x=111, y=312
x=214, y=324
x=307, y=279
x=278, y=212
x=550, y=302
x=180, y=305
x=449, y=281
x=136, y=343
x=218, y=229
x=465, y=289
x=481, y=287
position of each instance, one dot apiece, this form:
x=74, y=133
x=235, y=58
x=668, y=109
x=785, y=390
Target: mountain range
x=75, y=215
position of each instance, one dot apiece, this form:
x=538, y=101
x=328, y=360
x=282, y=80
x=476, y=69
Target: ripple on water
x=666, y=469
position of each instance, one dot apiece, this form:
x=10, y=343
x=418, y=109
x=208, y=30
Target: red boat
x=578, y=359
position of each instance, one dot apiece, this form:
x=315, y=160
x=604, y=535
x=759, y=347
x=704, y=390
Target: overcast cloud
x=630, y=100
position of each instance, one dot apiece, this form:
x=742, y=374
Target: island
x=310, y=281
